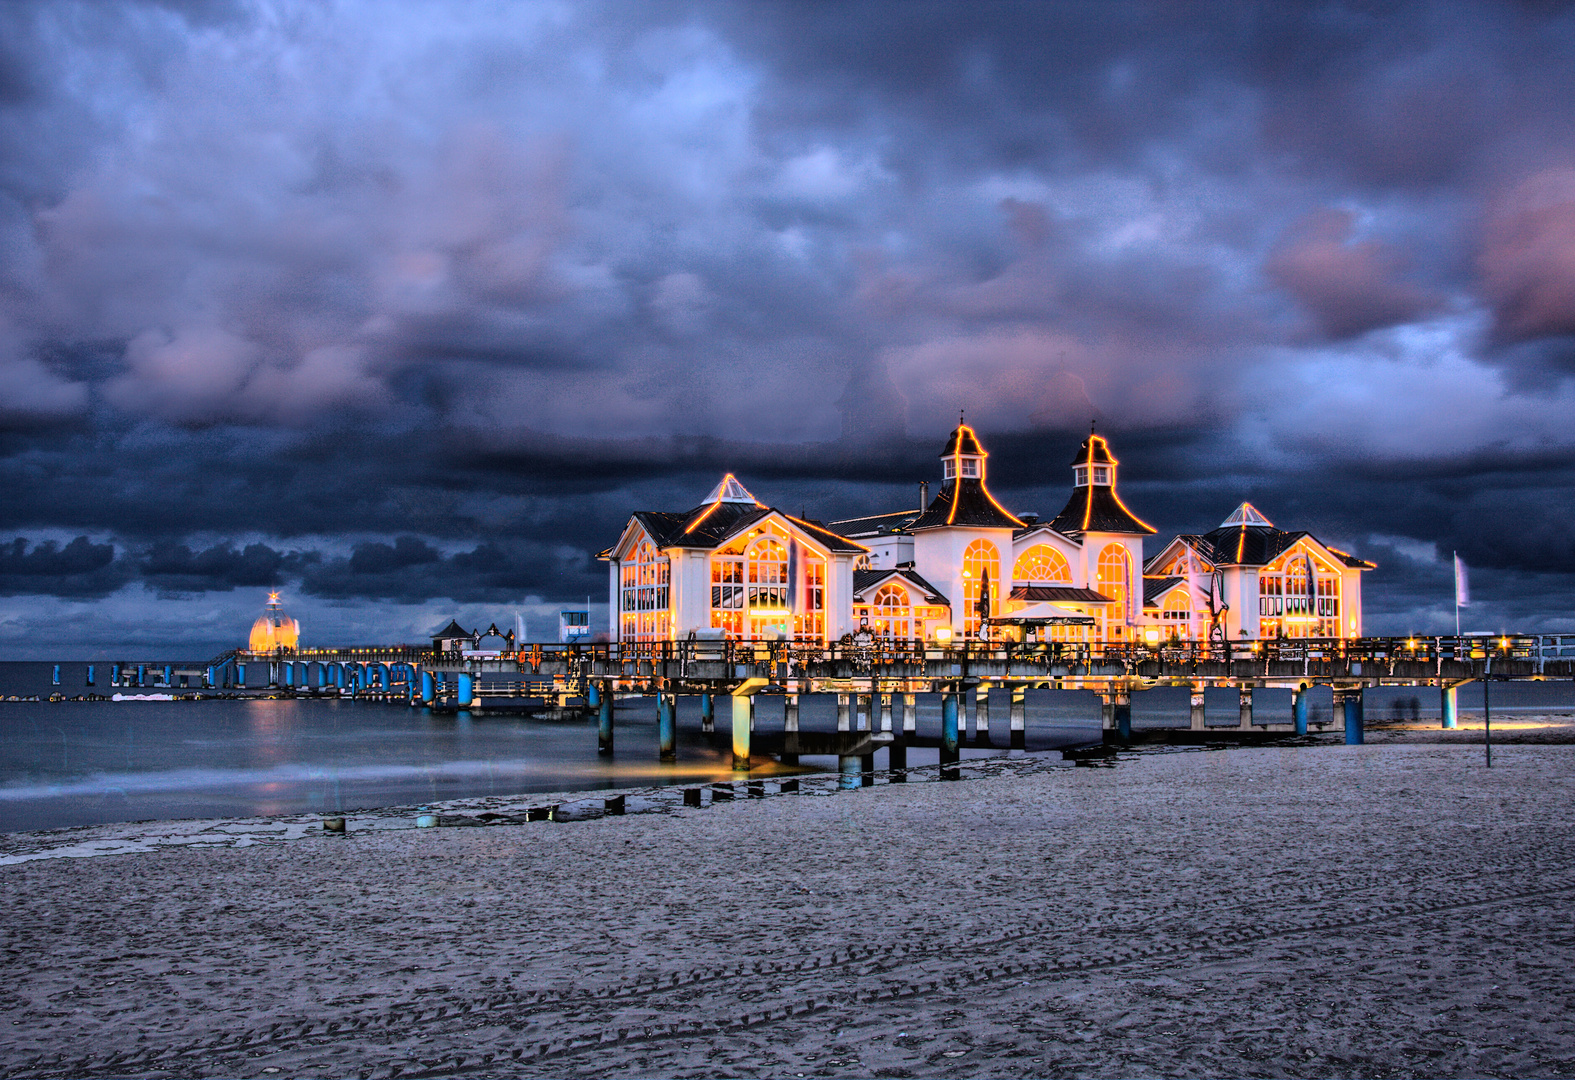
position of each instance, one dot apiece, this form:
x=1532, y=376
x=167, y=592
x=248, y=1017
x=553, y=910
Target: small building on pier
x=962, y=566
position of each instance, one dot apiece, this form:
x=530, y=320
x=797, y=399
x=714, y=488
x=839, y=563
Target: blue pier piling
x=142, y=674
x=90, y=675
x=849, y=772
x=949, y=753
x=1355, y=733
x=604, y=720
x=1299, y=709
x=240, y=675
x=1449, y=705
x=666, y=727
x=467, y=689
x=707, y=714
x=57, y=674
x=743, y=722
x=1123, y=711
x=593, y=696
x=213, y=676
x=169, y=675
x=428, y=688
x=114, y=674
x=289, y=676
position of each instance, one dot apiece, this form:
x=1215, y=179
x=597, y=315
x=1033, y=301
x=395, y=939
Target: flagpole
x=1456, y=555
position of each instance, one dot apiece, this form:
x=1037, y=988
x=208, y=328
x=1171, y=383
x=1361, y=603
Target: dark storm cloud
x=401, y=302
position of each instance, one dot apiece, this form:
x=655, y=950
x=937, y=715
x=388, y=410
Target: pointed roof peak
x=1246, y=514
x=1095, y=451
x=729, y=490
x=963, y=441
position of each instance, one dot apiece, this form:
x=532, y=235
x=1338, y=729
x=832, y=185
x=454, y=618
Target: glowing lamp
x=943, y=634
x=1151, y=636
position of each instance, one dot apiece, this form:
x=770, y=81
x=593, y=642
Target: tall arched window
x=893, y=615
x=981, y=562
x=768, y=587
x=1291, y=605
x=1176, y=613
x=643, y=595
x=1042, y=563
x=1114, y=579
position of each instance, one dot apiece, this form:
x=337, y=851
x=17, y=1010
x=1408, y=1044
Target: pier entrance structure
x=961, y=567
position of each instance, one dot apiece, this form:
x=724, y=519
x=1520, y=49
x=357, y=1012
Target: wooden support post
x=981, y=715
x=1355, y=722
x=666, y=727
x=604, y=720
x=1299, y=709
x=743, y=716
x=1019, y=722
x=844, y=719
x=867, y=769
x=615, y=806
x=1246, y=708
x=790, y=730
x=707, y=714
x=1122, y=708
x=949, y=751
x=897, y=760
x=1199, y=717
x=1449, y=704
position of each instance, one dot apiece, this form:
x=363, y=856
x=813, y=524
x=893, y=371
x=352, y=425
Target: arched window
x=893, y=615
x=643, y=595
x=754, y=592
x=768, y=587
x=1042, y=563
x=981, y=563
x=1114, y=579
x=1291, y=605
x=1177, y=611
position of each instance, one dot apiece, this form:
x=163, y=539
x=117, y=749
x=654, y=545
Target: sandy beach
x=1389, y=910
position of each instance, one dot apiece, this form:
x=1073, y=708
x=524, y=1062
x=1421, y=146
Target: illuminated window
x=1042, y=563
x=643, y=596
x=752, y=592
x=1177, y=607
x=891, y=617
x=1101, y=474
x=980, y=558
x=970, y=467
x=1114, y=579
x=1288, y=605
x=1080, y=477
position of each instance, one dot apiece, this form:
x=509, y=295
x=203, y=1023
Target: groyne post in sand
x=790, y=730
x=1246, y=709
x=1199, y=716
x=604, y=719
x=1299, y=709
x=743, y=724
x=1019, y=721
x=1122, y=708
x=1449, y=704
x=707, y=713
x=981, y=715
x=1349, y=702
x=666, y=727
x=844, y=720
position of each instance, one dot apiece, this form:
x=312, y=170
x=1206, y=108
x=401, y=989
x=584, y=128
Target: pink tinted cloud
x=1527, y=256
x=1347, y=287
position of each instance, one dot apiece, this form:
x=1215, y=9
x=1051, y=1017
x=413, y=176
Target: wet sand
x=1388, y=910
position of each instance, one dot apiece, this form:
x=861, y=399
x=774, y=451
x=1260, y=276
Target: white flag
x=1462, y=584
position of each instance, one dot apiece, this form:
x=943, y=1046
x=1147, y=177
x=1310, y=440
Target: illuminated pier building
x=964, y=567
x=274, y=631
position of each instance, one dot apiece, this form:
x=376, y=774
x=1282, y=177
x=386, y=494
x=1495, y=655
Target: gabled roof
x=1259, y=545
x=875, y=524
x=1059, y=594
x=867, y=581
x=1097, y=508
x=1155, y=588
x=1203, y=549
x=710, y=525
x=1043, y=527
x=452, y=632
x=964, y=501
x=1095, y=451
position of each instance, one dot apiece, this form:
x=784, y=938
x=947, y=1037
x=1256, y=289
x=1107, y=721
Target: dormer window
x=1101, y=474
x=970, y=467
x=949, y=469
x=1080, y=477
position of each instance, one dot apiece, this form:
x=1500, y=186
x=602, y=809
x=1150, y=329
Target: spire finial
x=1091, y=423
x=960, y=414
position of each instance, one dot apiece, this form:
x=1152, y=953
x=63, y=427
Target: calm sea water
x=77, y=763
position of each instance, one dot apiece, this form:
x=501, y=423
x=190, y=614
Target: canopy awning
x=1044, y=614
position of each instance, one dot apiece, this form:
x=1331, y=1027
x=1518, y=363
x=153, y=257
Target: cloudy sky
x=404, y=307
